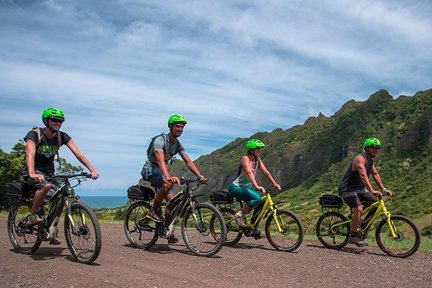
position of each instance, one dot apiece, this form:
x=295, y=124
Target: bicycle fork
x=71, y=220
x=278, y=220
x=197, y=218
x=390, y=224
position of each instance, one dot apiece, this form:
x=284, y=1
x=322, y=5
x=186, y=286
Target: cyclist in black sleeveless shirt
x=355, y=185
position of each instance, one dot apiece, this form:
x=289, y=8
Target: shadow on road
x=352, y=250
x=48, y=253
x=168, y=249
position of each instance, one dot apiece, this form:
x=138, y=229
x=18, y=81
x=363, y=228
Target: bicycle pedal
x=258, y=236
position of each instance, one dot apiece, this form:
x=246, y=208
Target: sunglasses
x=56, y=120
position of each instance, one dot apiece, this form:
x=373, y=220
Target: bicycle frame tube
x=380, y=209
x=179, y=209
x=58, y=201
x=268, y=205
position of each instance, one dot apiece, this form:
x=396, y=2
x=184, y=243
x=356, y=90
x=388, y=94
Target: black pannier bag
x=136, y=192
x=13, y=188
x=330, y=201
x=17, y=189
x=221, y=197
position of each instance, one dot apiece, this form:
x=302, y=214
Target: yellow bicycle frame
x=268, y=205
x=381, y=209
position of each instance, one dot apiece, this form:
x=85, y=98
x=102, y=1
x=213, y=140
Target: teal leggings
x=250, y=196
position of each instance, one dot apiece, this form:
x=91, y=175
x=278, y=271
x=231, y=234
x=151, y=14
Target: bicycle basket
x=221, y=197
x=330, y=201
x=136, y=192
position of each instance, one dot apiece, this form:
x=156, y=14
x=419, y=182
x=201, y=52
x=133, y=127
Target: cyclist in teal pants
x=245, y=186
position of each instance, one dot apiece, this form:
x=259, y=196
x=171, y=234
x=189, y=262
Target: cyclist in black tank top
x=355, y=185
x=351, y=180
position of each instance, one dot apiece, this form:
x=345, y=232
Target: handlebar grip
x=86, y=174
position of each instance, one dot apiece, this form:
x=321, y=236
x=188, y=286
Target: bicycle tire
x=197, y=235
x=329, y=236
x=233, y=231
x=24, y=239
x=407, y=241
x=292, y=231
x=140, y=231
x=83, y=233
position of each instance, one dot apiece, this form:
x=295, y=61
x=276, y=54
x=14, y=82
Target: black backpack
x=150, y=147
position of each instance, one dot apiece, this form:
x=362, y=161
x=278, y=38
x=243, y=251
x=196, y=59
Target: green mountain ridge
x=309, y=160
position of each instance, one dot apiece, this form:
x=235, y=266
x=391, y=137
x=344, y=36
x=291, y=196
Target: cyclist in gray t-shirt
x=161, y=150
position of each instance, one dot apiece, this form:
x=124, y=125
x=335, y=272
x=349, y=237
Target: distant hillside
x=309, y=160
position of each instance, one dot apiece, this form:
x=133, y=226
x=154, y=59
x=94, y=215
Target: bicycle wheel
x=233, y=231
x=140, y=231
x=291, y=235
x=407, y=239
x=196, y=232
x=329, y=233
x=24, y=238
x=82, y=232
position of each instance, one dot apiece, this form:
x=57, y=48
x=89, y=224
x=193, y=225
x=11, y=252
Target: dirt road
x=248, y=264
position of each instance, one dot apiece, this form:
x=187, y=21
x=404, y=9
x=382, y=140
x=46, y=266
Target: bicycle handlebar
x=81, y=174
x=186, y=181
x=269, y=189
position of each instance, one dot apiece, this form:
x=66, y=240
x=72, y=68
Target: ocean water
x=104, y=201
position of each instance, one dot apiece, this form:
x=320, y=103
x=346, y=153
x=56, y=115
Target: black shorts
x=355, y=198
x=33, y=185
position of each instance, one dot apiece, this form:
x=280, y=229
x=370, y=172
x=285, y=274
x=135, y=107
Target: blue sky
x=118, y=69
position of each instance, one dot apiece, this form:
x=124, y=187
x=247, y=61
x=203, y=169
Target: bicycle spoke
x=83, y=233
x=233, y=232
x=140, y=231
x=404, y=243
x=197, y=233
x=24, y=238
x=330, y=232
x=284, y=231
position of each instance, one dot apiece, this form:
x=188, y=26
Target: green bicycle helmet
x=52, y=113
x=253, y=144
x=176, y=119
x=372, y=142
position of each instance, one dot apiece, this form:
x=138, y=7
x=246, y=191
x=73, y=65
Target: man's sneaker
x=34, y=219
x=239, y=219
x=172, y=239
x=143, y=225
x=155, y=216
x=357, y=239
x=54, y=242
